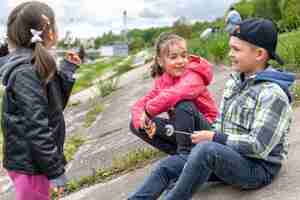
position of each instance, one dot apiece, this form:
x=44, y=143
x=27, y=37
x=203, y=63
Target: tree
x=290, y=14
x=245, y=8
x=269, y=9
x=98, y=42
x=137, y=44
x=182, y=28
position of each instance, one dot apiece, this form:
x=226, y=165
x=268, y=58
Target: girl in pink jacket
x=180, y=89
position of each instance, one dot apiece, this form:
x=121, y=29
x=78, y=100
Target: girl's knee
x=186, y=106
x=132, y=129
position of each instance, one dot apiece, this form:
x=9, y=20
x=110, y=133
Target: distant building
x=118, y=49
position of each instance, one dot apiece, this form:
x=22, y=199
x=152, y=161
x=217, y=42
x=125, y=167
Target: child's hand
x=202, y=136
x=73, y=57
x=58, y=184
x=148, y=125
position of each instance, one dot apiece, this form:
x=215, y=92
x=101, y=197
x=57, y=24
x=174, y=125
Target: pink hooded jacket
x=168, y=91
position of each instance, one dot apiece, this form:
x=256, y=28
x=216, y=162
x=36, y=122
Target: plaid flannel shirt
x=255, y=119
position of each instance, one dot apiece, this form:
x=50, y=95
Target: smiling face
x=174, y=57
x=245, y=57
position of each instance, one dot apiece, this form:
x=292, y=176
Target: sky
x=91, y=18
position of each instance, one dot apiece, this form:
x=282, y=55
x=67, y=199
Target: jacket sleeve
x=31, y=100
x=139, y=107
x=189, y=87
x=272, y=120
x=66, y=79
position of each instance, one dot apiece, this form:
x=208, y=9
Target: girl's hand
x=202, y=136
x=148, y=125
x=73, y=57
x=58, y=185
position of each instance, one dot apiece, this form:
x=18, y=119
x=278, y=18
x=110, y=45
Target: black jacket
x=32, y=117
x=3, y=60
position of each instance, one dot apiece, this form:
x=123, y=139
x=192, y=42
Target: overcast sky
x=87, y=18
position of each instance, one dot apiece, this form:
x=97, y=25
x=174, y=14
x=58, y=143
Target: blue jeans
x=208, y=161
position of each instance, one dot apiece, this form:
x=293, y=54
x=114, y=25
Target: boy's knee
x=205, y=150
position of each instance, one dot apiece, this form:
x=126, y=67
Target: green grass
x=215, y=48
x=106, y=87
x=89, y=72
x=71, y=146
x=93, y=113
x=123, y=67
x=296, y=95
x=73, y=104
x=121, y=165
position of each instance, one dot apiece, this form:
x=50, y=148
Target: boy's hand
x=202, y=136
x=73, y=57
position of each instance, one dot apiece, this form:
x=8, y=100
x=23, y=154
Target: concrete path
x=286, y=186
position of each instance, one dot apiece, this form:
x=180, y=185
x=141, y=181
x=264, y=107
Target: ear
x=262, y=54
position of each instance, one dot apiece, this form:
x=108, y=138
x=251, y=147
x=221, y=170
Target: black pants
x=186, y=118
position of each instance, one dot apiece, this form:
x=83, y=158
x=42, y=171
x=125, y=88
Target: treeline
x=285, y=13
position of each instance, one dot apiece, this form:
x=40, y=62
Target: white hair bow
x=36, y=36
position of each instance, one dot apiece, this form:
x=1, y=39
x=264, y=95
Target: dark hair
x=231, y=8
x=38, y=16
x=162, y=45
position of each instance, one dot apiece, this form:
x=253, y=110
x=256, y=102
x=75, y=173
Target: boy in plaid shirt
x=249, y=139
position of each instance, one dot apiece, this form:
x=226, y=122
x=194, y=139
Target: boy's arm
x=272, y=120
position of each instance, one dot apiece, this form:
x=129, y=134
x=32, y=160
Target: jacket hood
x=15, y=59
x=202, y=67
x=283, y=79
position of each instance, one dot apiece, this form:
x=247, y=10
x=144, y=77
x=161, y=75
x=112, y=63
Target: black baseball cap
x=260, y=32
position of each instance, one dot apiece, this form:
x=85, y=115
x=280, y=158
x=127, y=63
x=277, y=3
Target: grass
x=93, y=113
x=215, y=48
x=106, y=87
x=89, y=72
x=123, y=67
x=296, y=95
x=73, y=104
x=71, y=146
x=132, y=160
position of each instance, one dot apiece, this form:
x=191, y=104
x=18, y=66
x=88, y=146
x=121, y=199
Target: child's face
x=175, y=60
x=243, y=56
